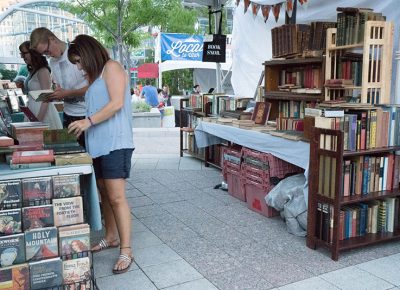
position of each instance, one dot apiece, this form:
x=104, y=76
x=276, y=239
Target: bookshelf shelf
x=294, y=61
x=344, y=87
x=351, y=46
x=279, y=95
x=329, y=211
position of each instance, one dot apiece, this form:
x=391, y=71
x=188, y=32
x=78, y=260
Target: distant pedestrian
x=150, y=94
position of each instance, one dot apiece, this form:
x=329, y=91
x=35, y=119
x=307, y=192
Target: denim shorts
x=116, y=164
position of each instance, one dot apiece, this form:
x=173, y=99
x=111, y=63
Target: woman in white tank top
x=39, y=79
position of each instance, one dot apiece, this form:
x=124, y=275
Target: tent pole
x=218, y=65
x=397, y=84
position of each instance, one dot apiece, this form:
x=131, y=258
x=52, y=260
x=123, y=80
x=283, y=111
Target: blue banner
x=181, y=47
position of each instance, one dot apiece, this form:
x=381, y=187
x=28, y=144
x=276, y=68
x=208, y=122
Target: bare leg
x=122, y=216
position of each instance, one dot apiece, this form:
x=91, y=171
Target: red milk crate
x=235, y=181
x=230, y=156
x=255, y=197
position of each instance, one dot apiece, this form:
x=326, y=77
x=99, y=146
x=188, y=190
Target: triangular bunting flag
x=289, y=8
x=265, y=9
x=302, y=1
x=246, y=5
x=255, y=8
x=276, y=9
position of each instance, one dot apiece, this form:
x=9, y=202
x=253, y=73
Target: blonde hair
x=40, y=35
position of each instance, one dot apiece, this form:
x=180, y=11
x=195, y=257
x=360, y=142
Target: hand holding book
x=42, y=95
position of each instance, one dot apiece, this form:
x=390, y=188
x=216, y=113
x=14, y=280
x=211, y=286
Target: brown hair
x=40, y=35
x=93, y=55
x=38, y=61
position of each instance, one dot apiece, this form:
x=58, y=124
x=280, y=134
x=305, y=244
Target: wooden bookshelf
x=337, y=201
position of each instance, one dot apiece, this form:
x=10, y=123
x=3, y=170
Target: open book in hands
x=41, y=95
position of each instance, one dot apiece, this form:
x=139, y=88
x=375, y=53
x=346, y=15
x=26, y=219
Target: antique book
x=15, y=277
x=261, y=112
x=37, y=191
x=10, y=221
x=10, y=194
x=76, y=273
x=32, y=156
x=58, y=136
x=41, y=244
x=41, y=95
x=37, y=217
x=29, y=132
x=66, y=148
x=72, y=159
x=74, y=241
x=29, y=165
x=12, y=250
x=66, y=185
x=6, y=141
x=28, y=113
x=46, y=274
x=68, y=211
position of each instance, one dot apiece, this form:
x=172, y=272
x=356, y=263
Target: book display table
x=89, y=185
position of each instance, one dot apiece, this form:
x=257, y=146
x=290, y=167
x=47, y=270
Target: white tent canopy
x=181, y=64
x=251, y=37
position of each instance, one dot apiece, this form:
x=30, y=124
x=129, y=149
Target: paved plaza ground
x=189, y=236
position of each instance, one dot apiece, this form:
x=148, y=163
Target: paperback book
x=37, y=217
x=15, y=277
x=10, y=194
x=12, y=250
x=74, y=241
x=41, y=244
x=76, y=273
x=46, y=274
x=10, y=221
x=41, y=95
x=68, y=211
x=72, y=159
x=66, y=186
x=36, y=191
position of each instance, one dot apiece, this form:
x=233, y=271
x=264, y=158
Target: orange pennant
x=265, y=11
x=302, y=1
x=276, y=9
x=289, y=8
x=255, y=7
x=246, y=5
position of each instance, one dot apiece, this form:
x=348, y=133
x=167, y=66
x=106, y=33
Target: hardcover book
x=29, y=165
x=58, y=136
x=6, y=141
x=10, y=194
x=66, y=186
x=74, y=241
x=36, y=191
x=15, y=277
x=10, y=221
x=72, y=159
x=41, y=244
x=46, y=274
x=261, y=112
x=37, y=217
x=76, y=273
x=33, y=156
x=12, y=250
x=68, y=211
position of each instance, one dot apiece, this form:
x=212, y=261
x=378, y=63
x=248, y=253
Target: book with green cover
x=41, y=95
x=58, y=136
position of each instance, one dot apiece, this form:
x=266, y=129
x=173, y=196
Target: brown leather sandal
x=125, y=258
x=103, y=245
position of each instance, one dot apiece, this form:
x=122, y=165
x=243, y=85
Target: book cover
x=37, y=217
x=46, y=274
x=32, y=156
x=68, y=211
x=29, y=165
x=36, y=191
x=58, y=136
x=74, y=241
x=71, y=159
x=15, y=277
x=41, y=244
x=77, y=274
x=261, y=112
x=10, y=221
x=10, y=194
x=41, y=95
x=6, y=141
x=66, y=186
x=12, y=250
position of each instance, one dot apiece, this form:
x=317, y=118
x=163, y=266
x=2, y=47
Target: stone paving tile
x=387, y=268
x=155, y=255
x=314, y=283
x=168, y=197
x=354, y=278
x=147, y=211
x=145, y=239
x=137, y=281
x=200, y=284
x=238, y=279
x=144, y=166
x=171, y=273
x=138, y=226
x=133, y=193
x=139, y=201
x=185, y=246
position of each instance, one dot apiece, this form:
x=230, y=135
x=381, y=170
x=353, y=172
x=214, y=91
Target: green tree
x=6, y=74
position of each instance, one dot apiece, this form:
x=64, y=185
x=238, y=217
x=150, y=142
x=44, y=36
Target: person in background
x=150, y=94
x=196, y=89
x=109, y=140
x=71, y=84
x=39, y=79
x=19, y=82
x=136, y=95
x=166, y=95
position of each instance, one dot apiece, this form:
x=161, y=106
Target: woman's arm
x=45, y=84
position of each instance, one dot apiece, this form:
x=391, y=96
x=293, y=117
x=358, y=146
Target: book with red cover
x=28, y=113
x=32, y=156
x=37, y=191
x=261, y=112
x=6, y=141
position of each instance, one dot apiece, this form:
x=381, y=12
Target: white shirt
x=68, y=76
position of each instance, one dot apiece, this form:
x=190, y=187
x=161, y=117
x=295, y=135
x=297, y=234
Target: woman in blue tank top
x=109, y=140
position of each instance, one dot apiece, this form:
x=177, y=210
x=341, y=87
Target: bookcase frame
x=338, y=201
x=378, y=41
x=272, y=71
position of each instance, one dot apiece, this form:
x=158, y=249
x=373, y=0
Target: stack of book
x=61, y=142
x=29, y=132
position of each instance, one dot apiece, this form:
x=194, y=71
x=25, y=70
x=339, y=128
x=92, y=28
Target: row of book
x=379, y=216
x=46, y=258
x=38, y=190
x=351, y=24
x=294, y=124
x=307, y=77
x=62, y=211
x=294, y=109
